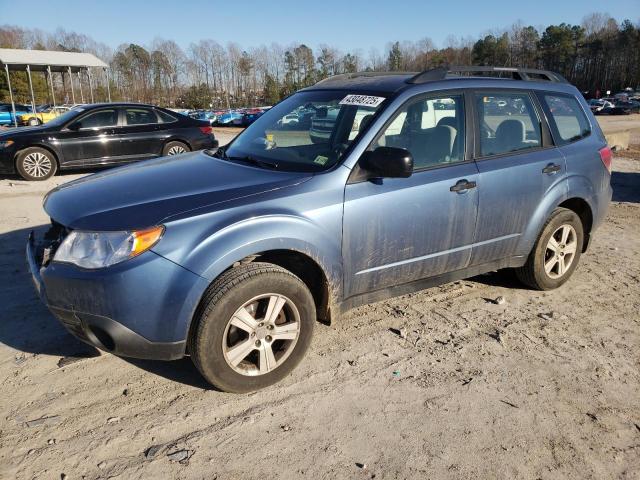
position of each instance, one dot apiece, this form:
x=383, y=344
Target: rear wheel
x=175, y=148
x=33, y=122
x=556, y=253
x=253, y=327
x=36, y=164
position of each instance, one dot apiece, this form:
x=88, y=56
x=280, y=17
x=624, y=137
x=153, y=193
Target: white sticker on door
x=362, y=100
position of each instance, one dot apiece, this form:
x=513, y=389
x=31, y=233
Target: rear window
x=508, y=123
x=569, y=122
x=140, y=116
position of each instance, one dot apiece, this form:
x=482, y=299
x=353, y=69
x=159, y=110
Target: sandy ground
x=440, y=384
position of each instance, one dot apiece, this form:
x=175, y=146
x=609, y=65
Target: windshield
x=309, y=131
x=65, y=117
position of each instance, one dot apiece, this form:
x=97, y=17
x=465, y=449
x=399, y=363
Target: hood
x=146, y=193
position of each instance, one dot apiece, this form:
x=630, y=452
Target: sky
x=345, y=24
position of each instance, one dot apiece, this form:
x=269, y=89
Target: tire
x=33, y=122
x=251, y=289
x=560, y=257
x=36, y=164
x=175, y=148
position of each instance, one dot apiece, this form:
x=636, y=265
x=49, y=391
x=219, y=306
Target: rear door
x=141, y=135
x=92, y=139
x=517, y=164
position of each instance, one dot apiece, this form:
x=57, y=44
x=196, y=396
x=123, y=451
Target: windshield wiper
x=217, y=153
x=221, y=153
x=254, y=161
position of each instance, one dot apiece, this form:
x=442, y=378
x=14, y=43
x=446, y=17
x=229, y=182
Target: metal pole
x=80, y=83
x=73, y=93
x=53, y=95
x=13, y=105
x=106, y=74
x=90, y=84
x=33, y=99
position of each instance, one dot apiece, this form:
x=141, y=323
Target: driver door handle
x=551, y=169
x=462, y=186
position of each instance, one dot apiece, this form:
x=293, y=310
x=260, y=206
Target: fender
x=578, y=185
x=47, y=146
x=217, y=249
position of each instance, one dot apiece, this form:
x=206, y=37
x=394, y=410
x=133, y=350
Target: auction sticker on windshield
x=362, y=100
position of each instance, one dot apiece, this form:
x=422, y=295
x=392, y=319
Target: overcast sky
x=346, y=24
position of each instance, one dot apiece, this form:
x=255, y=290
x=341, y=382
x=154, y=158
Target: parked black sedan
x=100, y=135
x=622, y=108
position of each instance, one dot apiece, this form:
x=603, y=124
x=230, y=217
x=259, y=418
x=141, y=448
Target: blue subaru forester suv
x=231, y=255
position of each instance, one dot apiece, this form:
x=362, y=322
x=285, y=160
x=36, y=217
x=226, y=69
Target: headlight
x=102, y=249
x=5, y=143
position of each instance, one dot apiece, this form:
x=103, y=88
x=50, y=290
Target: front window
x=432, y=129
x=99, y=119
x=309, y=131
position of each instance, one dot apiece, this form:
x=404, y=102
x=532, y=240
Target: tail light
x=206, y=130
x=606, y=155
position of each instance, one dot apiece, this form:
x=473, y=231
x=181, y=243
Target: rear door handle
x=462, y=186
x=551, y=169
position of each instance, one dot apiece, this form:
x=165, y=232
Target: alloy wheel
x=37, y=165
x=261, y=334
x=560, y=251
x=176, y=150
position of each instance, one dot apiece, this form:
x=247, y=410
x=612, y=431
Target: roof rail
x=346, y=76
x=527, y=74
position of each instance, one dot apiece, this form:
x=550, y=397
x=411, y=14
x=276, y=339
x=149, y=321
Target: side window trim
x=462, y=93
x=553, y=128
x=544, y=129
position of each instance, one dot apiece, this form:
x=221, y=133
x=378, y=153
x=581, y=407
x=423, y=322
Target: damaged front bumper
x=140, y=308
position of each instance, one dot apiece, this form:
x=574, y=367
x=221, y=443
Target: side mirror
x=387, y=162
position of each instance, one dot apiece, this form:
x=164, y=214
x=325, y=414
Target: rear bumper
x=140, y=308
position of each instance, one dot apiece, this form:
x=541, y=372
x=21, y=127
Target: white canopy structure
x=49, y=61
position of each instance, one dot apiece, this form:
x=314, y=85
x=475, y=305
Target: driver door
x=91, y=139
x=398, y=230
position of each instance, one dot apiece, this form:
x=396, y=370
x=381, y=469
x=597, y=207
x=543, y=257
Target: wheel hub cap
x=261, y=334
x=37, y=165
x=560, y=251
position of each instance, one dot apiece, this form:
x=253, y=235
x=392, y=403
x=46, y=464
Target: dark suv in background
x=230, y=256
x=100, y=135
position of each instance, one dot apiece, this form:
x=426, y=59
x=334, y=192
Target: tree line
x=598, y=55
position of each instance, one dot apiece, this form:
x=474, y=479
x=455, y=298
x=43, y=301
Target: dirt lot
x=440, y=384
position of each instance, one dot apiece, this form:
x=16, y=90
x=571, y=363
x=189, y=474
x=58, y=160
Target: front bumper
x=7, y=163
x=140, y=308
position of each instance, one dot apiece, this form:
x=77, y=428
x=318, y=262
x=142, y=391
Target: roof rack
x=527, y=74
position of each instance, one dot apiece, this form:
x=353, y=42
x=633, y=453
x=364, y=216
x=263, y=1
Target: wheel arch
x=177, y=139
x=581, y=208
x=52, y=151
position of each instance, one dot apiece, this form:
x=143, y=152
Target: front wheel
x=556, y=253
x=252, y=328
x=34, y=122
x=36, y=164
